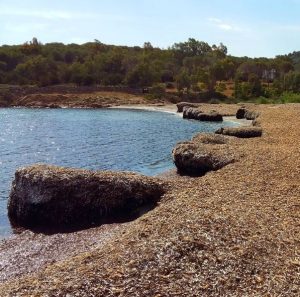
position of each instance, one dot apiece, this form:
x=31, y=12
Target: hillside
x=193, y=67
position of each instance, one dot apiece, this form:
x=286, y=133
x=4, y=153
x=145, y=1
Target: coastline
x=172, y=108
x=26, y=245
x=242, y=217
x=167, y=108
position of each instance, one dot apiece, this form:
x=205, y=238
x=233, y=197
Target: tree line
x=190, y=66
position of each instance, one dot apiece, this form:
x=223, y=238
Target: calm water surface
x=133, y=140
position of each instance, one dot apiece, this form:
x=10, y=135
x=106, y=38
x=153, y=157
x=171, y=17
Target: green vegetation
x=192, y=67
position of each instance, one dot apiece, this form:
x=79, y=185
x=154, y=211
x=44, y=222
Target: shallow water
x=133, y=140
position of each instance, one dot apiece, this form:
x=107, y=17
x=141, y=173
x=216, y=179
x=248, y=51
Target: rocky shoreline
x=74, y=99
x=232, y=231
x=57, y=198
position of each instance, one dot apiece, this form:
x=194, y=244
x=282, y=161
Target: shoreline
x=35, y=259
x=165, y=108
x=172, y=108
x=168, y=108
x=25, y=245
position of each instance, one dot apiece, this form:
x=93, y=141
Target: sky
x=253, y=28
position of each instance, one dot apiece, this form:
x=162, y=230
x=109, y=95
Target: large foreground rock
x=241, y=132
x=53, y=196
x=194, y=158
x=197, y=114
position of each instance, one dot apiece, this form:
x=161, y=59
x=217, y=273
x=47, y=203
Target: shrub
x=170, y=85
x=289, y=97
x=196, y=88
x=214, y=101
x=221, y=87
x=263, y=100
x=158, y=91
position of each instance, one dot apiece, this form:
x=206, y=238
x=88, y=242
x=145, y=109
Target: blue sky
x=246, y=27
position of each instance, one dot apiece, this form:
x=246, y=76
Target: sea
x=97, y=139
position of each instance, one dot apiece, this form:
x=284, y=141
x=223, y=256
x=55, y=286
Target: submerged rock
x=197, y=114
x=241, y=132
x=56, y=197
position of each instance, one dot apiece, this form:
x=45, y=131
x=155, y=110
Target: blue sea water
x=133, y=140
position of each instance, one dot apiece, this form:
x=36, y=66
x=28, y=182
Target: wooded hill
x=192, y=66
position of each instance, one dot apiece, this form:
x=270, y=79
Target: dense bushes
x=194, y=68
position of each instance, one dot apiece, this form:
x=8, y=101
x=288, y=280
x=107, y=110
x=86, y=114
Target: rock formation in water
x=197, y=114
x=241, y=132
x=56, y=197
x=191, y=113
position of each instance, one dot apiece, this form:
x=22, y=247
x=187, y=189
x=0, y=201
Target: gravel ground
x=232, y=232
x=29, y=252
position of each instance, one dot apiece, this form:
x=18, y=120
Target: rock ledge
x=50, y=196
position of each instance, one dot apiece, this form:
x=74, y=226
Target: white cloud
x=225, y=26
x=43, y=14
x=215, y=20
x=60, y=15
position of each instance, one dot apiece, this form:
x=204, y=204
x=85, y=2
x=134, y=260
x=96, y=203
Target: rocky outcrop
x=211, y=117
x=251, y=115
x=56, y=197
x=197, y=114
x=191, y=113
x=240, y=114
x=181, y=105
x=256, y=122
x=241, y=132
x=243, y=113
x=204, y=153
x=210, y=138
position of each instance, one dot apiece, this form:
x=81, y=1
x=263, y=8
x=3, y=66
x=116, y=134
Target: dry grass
x=233, y=232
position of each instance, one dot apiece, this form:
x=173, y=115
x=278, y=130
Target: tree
x=183, y=80
x=78, y=73
x=190, y=48
x=250, y=89
x=38, y=70
x=255, y=86
x=220, y=51
x=142, y=75
x=33, y=47
x=147, y=46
